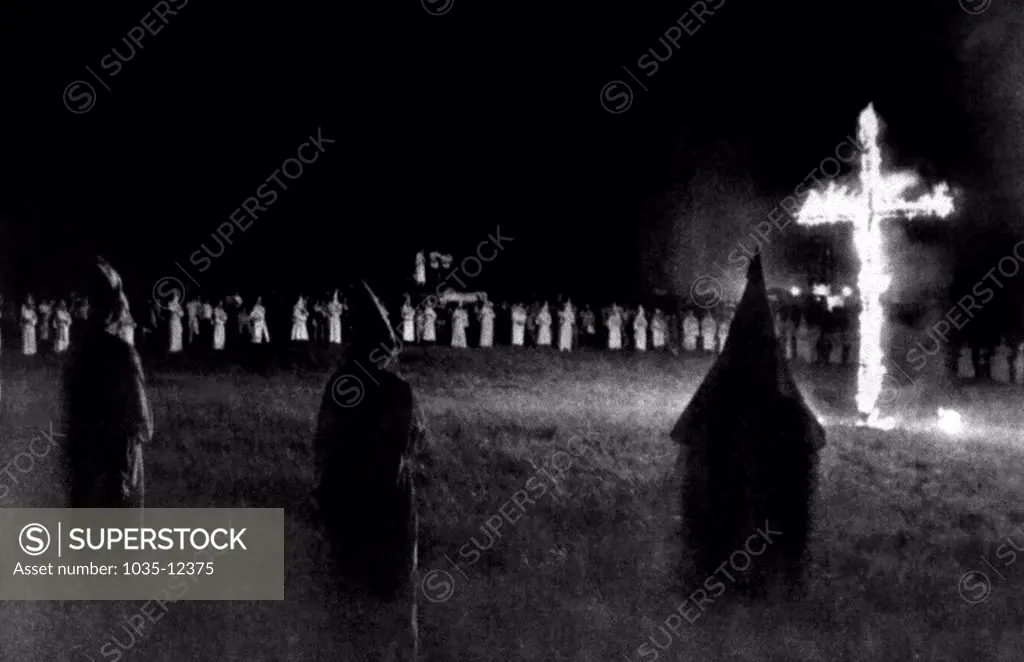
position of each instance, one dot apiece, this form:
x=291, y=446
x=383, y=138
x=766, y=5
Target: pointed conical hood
x=105, y=293
x=751, y=369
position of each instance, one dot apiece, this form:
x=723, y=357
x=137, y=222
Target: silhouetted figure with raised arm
x=368, y=446
x=107, y=417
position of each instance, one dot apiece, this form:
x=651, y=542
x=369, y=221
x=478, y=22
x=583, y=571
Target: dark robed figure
x=368, y=437
x=750, y=455
x=107, y=418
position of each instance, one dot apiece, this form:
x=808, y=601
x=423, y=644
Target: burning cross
x=874, y=197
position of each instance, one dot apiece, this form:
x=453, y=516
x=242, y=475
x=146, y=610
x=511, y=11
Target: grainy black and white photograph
x=588, y=332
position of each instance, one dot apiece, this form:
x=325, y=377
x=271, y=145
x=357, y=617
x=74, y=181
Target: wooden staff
x=411, y=470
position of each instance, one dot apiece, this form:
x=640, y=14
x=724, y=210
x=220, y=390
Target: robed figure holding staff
x=107, y=418
x=368, y=449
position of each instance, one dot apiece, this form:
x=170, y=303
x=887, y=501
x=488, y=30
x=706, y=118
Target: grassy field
x=587, y=572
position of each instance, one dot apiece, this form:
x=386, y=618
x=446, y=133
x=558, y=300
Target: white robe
x=614, y=325
x=260, y=333
x=28, y=331
x=334, y=309
x=300, y=332
x=707, y=331
x=175, y=327
x=63, y=331
x=408, y=323
x=487, y=327
x=544, y=329
x=658, y=328
x=518, y=327
x=640, y=333
x=460, y=320
x=566, y=320
x=430, y=325
x=220, y=318
x=691, y=329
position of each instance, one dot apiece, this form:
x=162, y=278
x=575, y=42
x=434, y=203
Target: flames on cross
x=874, y=196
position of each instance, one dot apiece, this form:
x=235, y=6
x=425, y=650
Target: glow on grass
x=873, y=197
x=950, y=421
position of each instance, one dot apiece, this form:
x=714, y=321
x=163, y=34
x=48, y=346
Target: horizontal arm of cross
x=825, y=219
x=940, y=208
x=834, y=205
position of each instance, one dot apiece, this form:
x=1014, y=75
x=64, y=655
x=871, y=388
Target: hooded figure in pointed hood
x=369, y=451
x=107, y=417
x=749, y=457
x=368, y=436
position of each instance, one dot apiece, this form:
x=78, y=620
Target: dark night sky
x=448, y=126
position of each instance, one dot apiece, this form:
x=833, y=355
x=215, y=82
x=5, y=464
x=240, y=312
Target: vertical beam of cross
x=873, y=197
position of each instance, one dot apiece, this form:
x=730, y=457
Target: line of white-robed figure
x=800, y=341
x=998, y=366
x=36, y=322
x=49, y=316
x=254, y=322
x=416, y=325
x=420, y=326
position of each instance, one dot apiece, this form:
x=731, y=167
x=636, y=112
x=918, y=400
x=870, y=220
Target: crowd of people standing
x=173, y=325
